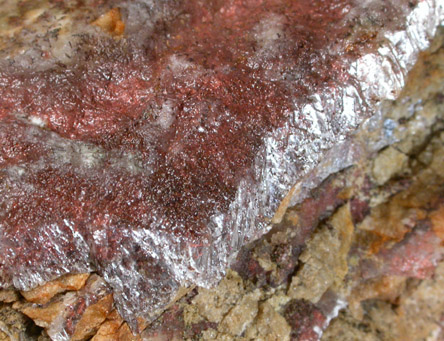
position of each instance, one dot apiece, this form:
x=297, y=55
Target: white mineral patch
x=90, y=155
x=132, y=164
x=268, y=34
x=37, y=121
x=179, y=64
x=269, y=31
x=318, y=331
x=75, y=153
x=165, y=115
x=15, y=172
x=340, y=304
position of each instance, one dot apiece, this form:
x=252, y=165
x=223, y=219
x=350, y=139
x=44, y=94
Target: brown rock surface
x=108, y=330
x=388, y=163
x=44, y=293
x=92, y=319
x=320, y=270
x=42, y=316
x=77, y=314
x=214, y=304
x=269, y=325
x=9, y=295
x=241, y=315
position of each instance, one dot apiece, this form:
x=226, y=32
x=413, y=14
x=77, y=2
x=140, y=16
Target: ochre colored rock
x=214, y=304
x=42, y=316
x=320, y=271
x=111, y=22
x=124, y=334
x=108, y=330
x=241, y=315
x=437, y=219
x=77, y=314
x=44, y=293
x=386, y=288
x=269, y=326
x=92, y=318
x=388, y=163
x=420, y=310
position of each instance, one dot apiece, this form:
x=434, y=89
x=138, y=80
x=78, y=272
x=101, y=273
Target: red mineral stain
x=221, y=113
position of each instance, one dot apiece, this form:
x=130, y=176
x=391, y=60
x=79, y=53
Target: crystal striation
x=151, y=156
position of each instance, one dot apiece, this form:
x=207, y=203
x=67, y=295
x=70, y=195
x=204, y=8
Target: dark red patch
x=305, y=320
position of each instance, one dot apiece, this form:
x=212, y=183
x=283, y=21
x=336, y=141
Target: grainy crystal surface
x=152, y=157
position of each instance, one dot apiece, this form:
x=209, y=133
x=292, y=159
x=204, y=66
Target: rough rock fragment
x=74, y=315
x=241, y=315
x=392, y=220
x=306, y=320
x=346, y=328
x=319, y=270
x=390, y=162
x=420, y=311
x=437, y=220
x=42, y=316
x=92, y=318
x=44, y=293
x=8, y=295
x=16, y=326
x=108, y=330
x=415, y=316
x=214, y=304
x=386, y=288
x=269, y=325
x=124, y=333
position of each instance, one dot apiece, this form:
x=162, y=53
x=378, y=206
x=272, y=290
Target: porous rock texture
x=363, y=234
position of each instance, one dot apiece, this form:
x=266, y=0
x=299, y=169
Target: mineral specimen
x=150, y=140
